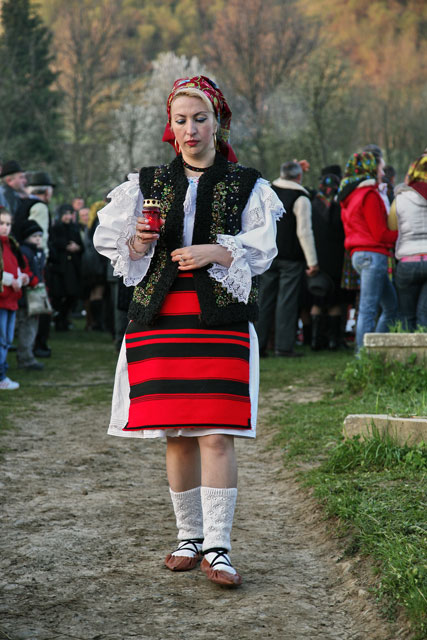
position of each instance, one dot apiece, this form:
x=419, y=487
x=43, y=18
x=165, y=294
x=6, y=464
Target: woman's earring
x=176, y=145
x=215, y=139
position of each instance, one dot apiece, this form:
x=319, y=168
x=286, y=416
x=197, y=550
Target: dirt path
x=87, y=521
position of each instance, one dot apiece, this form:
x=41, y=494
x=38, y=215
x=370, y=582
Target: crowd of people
x=50, y=258
x=356, y=242
x=359, y=242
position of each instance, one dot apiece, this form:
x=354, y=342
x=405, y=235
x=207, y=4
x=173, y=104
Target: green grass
x=375, y=487
x=398, y=327
x=80, y=372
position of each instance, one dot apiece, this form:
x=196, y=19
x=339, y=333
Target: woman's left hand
x=197, y=256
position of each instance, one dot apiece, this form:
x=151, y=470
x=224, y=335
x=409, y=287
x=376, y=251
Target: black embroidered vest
x=222, y=194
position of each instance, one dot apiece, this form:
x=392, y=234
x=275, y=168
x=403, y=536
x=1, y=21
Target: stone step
x=397, y=346
x=409, y=431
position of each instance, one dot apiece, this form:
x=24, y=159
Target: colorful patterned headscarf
x=360, y=166
x=221, y=109
x=417, y=172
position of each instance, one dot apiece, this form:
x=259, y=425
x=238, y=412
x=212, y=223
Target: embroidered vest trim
x=222, y=194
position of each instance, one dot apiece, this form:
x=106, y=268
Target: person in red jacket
x=369, y=242
x=13, y=279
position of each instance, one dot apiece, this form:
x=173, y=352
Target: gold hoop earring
x=176, y=145
x=215, y=139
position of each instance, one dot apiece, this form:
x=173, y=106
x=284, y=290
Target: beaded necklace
x=196, y=169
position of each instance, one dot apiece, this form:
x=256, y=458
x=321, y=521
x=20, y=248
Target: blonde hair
x=194, y=93
x=93, y=210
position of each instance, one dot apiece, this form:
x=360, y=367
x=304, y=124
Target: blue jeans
x=7, y=328
x=376, y=290
x=411, y=285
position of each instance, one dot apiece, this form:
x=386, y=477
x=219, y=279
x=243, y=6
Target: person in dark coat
x=66, y=248
x=94, y=274
x=329, y=239
x=26, y=325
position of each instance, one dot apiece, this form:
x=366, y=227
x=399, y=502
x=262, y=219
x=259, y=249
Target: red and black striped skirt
x=184, y=375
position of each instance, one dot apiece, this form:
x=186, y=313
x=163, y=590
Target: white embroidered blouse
x=253, y=249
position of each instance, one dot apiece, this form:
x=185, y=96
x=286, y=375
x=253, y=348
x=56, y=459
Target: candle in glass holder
x=151, y=212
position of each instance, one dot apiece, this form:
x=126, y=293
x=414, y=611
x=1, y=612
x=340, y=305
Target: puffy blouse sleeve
x=254, y=247
x=116, y=227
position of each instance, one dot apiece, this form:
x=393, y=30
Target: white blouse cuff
x=132, y=271
x=236, y=278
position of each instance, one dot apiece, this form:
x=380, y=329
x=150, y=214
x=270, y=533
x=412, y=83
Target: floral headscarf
x=220, y=106
x=360, y=166
x=417, y=172
x=417, y=175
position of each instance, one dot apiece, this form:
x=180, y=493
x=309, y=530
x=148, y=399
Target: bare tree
x=86, y=33
x=255, y=45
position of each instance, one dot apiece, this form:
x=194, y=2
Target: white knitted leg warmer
x=218, y=513
x=189, y=517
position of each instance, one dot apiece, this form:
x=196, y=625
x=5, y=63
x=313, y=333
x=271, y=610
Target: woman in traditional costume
x=188, y=367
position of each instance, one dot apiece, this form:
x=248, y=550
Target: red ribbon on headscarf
x=221, y=109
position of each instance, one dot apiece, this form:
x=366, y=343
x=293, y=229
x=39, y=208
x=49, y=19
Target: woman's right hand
x=143, y=235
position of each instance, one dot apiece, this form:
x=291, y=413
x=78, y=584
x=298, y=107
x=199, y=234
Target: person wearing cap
x=280, y=286
x=27, y=326
x=13, y=187
x=35, y=207
x=188, y=368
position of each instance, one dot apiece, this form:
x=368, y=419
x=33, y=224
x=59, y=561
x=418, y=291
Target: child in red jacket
x=13, y=279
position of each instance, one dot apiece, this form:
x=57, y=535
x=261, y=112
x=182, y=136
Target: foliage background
x=315, y=79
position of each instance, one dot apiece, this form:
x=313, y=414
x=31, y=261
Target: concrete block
x=397, y=346
x=409, y=431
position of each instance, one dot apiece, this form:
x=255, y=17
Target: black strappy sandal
x=219, y=576
x=184, y=563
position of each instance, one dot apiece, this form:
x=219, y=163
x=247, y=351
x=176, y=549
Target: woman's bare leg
x=218, y=458
x=183, y=463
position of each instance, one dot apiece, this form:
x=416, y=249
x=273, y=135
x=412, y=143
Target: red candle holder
x=151, y=212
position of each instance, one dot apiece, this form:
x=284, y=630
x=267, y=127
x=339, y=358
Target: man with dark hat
x=327, y=305
x=13, y=186
x=333, y=169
